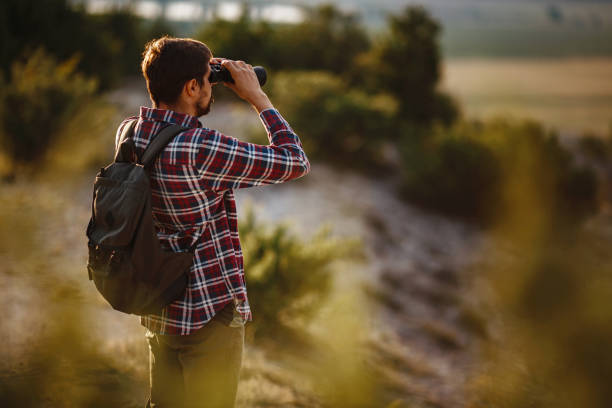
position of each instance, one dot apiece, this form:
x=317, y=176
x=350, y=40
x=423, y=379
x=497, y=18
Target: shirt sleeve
x=224, y=162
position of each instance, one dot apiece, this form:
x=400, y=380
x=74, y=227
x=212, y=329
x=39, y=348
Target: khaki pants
x=198, y=370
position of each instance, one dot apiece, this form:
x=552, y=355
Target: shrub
x=287, y=278
x=457, y=176
x=341, y=125
x=527, y=147
x=40, y=97
x=467, y=169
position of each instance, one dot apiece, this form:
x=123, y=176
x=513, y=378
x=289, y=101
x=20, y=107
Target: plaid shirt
x=193, y=204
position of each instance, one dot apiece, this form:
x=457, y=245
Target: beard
x=202, y=109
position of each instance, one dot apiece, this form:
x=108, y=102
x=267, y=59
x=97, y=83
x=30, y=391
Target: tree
x=109, y=45
x=328, y=39
x=406, y=64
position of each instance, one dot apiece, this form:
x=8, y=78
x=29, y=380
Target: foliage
x=406, y=64
x=339, y=124
x=242, y=39
x=40, y=97
x=454, y=175
x=466, y=169
x=552, y=299
x=55, y=298
x=594, y=147
x=327, y=39
x=287, y=279
x=109, y=45
x=403, y=64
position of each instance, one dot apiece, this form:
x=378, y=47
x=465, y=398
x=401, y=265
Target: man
x=196, y=342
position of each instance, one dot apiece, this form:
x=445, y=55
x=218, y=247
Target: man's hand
x=245, y=83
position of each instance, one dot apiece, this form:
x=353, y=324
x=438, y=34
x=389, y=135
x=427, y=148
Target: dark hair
x=168, y=62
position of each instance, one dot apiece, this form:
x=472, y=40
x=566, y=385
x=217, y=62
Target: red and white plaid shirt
x=192, y=185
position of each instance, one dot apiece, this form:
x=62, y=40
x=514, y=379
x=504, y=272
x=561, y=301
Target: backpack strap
x=126, y=151
x=159, y=142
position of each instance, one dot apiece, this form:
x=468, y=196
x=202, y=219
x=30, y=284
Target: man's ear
x=191, y=88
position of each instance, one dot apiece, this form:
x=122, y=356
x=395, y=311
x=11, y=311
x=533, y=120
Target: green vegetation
x=54, y=341
x=463, y=170
x=327, y=40
x=39, y=99
x=405, y=63
x=390, y=101
x=47, y=78
x=342, y=125
x=289, y=279
x=108, y=46
x=66, y=337
x=382, y=97
x=551, y=300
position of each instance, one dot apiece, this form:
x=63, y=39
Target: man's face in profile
x=206, y=99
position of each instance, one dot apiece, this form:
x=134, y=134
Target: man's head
x=176, y=71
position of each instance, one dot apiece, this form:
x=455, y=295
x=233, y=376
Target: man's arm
x=225, y=162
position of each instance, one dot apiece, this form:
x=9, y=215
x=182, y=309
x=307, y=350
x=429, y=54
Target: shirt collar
x=164, y=115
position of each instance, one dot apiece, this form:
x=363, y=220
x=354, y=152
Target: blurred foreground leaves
x=65, y=347
x=551, y=301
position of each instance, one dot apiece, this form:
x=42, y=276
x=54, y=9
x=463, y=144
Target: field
x=571, y=94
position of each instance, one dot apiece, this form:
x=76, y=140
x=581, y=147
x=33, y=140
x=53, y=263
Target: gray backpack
x=126, y=261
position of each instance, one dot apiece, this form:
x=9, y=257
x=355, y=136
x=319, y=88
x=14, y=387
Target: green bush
x=288, y=278
x=33, y=106
x=338, y=124
x=466, y=170
x=456, y=175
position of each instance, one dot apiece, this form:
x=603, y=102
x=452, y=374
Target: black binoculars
x=220, y=74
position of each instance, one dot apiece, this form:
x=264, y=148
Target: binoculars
x=220, y=74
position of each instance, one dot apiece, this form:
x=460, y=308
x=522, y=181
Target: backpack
x=126, y=261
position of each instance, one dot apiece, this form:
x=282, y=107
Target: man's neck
x=178, y=108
